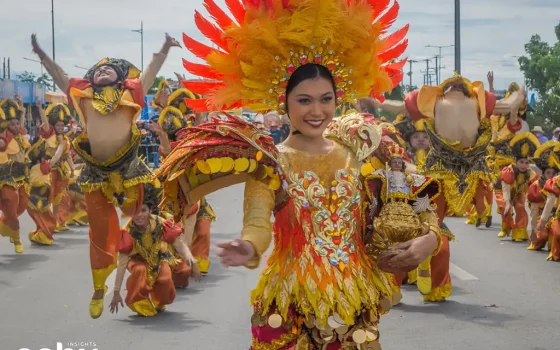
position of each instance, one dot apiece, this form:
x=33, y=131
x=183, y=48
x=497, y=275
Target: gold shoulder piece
x=355, y=132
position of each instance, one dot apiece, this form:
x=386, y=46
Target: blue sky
x=493, y=32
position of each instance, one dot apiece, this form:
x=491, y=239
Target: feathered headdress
x=267, y=40
x=544, y=155
x=525, y=107
x=171, y=120
x=177, y=99
x=124, y=69
x=524, y=145
x=11, y=109
x=58, y=112
x=162, y=86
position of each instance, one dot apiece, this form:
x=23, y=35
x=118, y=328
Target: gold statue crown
x=256, y=56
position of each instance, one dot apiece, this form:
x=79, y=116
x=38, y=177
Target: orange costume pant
x=104, y=233
x=58, y=187
x=483, y=199
x=72, y=209
x=439, y=265
x=200, y=246
x=441, y=279
x=518, y=226
x=13, y=203
x=45, y=225
x=551, y=235
x=145, y=299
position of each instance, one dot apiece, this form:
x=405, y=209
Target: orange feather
x=221, y=18
x=393, y=53
x=210, y=31
x=237, y=10
x=200, y=70
x=198, y=49
x=389, y=17
x=393, y=39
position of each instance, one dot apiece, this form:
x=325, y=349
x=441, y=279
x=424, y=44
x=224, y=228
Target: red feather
x=397, y=77
x=396, y=65
x=389, y=17
x=198, y=49
x=210, y=31
x=390, y=41
x=200, y=105
x=237, y=10
x=378, y=7
x=393, y=53
x=200, y=70
x=202, y=87
x=222, y=19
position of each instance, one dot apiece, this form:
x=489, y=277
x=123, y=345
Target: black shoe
x=478, y=222
x=488, y=221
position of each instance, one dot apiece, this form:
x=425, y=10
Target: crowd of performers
x=359, y=204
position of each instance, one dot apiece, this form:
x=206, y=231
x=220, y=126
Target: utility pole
x=9, y=69
x=410, y=62
x=53, y=46
x=426, y=76
x=141, y=31
x=4, y=68
x=458, y=36
x=439, y=65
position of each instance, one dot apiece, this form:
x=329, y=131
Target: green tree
x=541, y=67
x=154, y=88
x=29, y=77
x=397, y=94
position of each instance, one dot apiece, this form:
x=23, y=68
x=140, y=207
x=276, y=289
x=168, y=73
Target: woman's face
x=142, y=218
x=311, y=106
x=419, y=140
x=549, y=173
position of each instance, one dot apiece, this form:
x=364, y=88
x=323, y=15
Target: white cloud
x=492, y=32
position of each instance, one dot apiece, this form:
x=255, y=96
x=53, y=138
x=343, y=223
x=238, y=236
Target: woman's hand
x=386, y=256
x=195, y=271
x=236, y=253
x=414, y=251
x=114, y=306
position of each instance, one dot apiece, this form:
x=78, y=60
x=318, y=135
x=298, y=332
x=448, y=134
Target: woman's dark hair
x=309, y=71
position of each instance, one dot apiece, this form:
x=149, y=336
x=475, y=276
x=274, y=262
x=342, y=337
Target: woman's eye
x=327, y=99
x=304, y=101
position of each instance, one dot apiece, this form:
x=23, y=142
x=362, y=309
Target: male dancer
x=108, y=101
x=13, y=170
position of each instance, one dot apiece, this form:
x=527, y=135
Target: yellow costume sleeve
x=257, y=209
x=430, y=219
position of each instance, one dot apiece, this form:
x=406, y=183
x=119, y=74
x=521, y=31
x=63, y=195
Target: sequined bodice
x=328, y=188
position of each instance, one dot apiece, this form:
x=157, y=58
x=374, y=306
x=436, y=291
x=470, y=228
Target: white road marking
x=460, y=273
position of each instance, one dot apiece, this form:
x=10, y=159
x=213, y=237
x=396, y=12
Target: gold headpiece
x=177, y=99
x=171, y=120
x=10, y=108
x=544, y=155
x=58, y=112
x=524, y=145
x=457, y=78
x=255, y=59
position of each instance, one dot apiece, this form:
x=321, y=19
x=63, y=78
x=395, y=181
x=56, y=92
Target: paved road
x=44, y=296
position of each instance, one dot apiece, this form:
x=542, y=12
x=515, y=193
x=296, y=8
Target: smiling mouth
x=315, y=123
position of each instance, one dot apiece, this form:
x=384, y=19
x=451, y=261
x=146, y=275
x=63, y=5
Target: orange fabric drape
x=161, y=293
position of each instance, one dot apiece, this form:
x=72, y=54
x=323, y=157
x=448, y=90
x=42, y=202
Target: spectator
x=556, y=134
x=539, y=133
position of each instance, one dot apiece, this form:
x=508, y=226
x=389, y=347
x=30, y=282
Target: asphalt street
x=504, y=298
